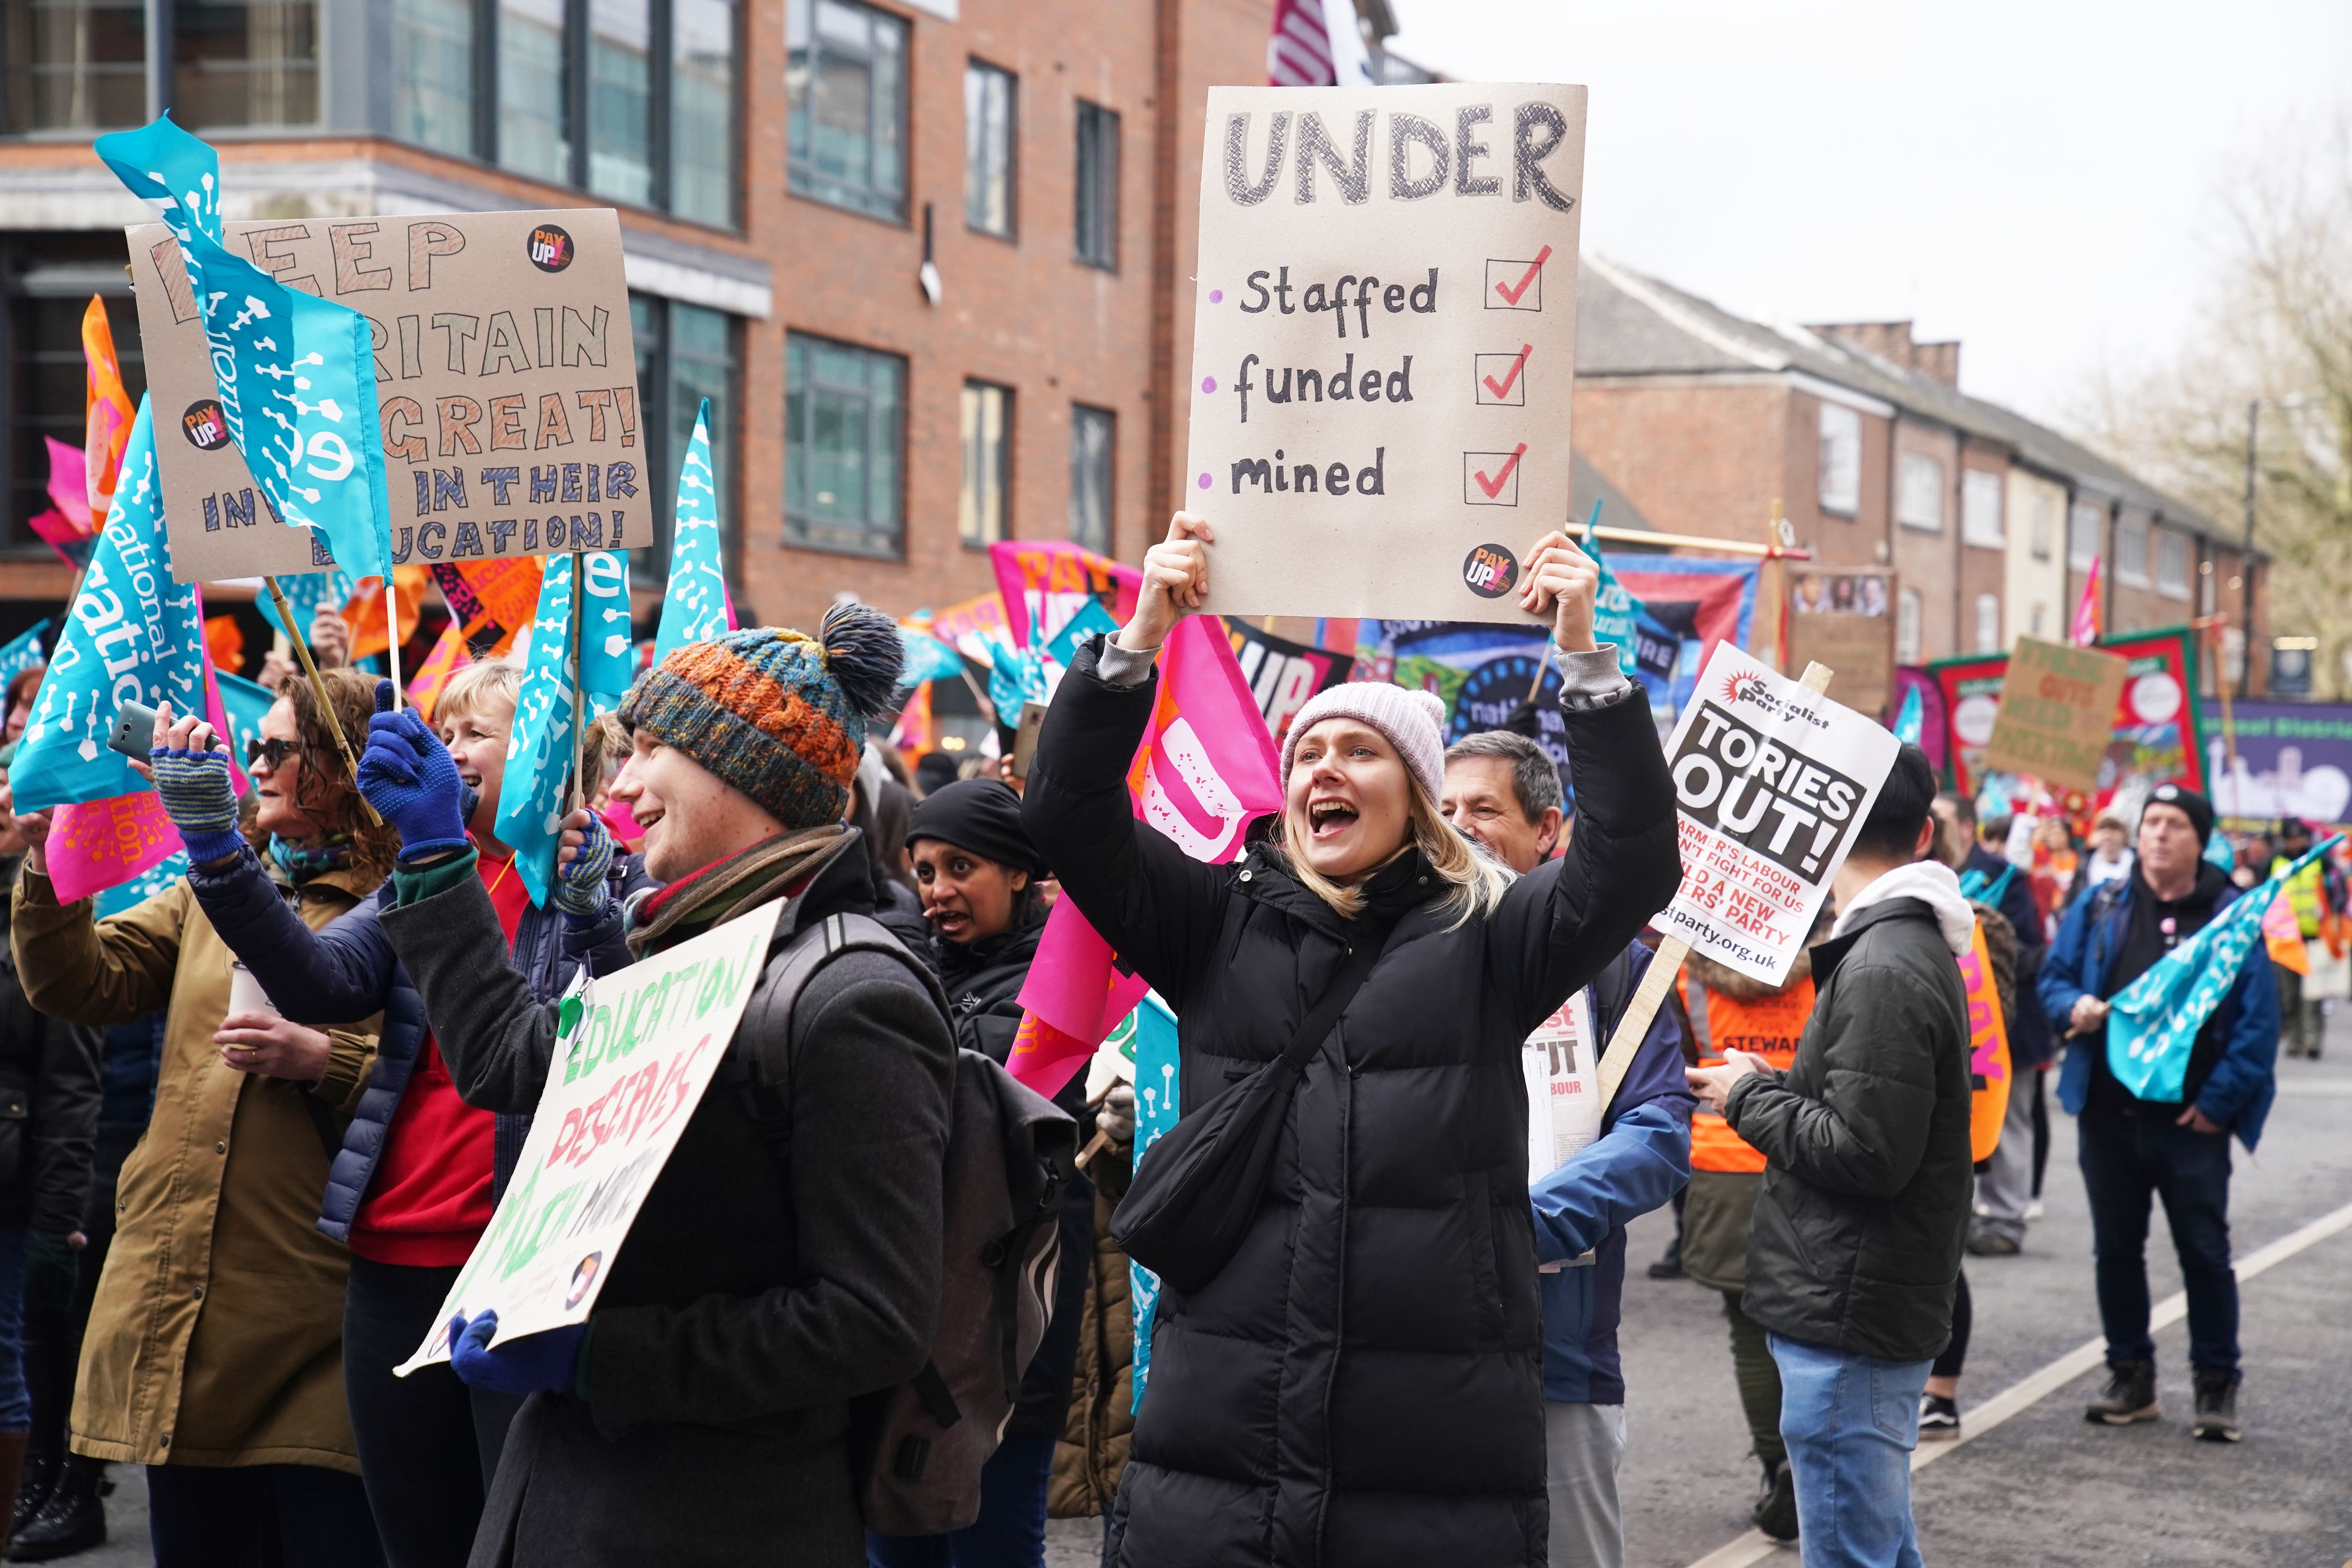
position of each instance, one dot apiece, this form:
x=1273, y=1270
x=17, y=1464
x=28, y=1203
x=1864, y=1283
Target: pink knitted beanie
x=1413, y=722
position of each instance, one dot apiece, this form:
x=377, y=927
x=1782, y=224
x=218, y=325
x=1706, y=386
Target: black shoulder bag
x=1194, y=1198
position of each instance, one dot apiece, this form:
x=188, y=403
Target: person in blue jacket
x=2179, y=1151
x=1503, y=791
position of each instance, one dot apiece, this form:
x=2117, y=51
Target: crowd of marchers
x=252, y=1128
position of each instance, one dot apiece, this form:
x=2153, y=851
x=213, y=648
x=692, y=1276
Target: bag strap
x=1363, y=954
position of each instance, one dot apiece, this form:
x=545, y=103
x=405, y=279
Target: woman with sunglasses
x=213, y=1353
x=414, y=1182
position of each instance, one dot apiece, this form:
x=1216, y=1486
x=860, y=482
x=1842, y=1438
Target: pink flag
x=2086, y=609
x=1206, y=767
x=99, y=844
x=1046, y=580
x=69, y=486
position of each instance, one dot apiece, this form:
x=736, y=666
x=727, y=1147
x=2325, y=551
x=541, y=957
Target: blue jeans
x=15, y=1405
x=1850, y=1422
x=1011, y=1530
x=2127, y=1161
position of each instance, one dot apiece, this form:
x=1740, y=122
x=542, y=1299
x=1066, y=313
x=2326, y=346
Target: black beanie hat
x=2190, y=804
x=982, y=816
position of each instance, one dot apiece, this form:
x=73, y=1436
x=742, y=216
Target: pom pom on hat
x=864, y=655
x=1413, y=721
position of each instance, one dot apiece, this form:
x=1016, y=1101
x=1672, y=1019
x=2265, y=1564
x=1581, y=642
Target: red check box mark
x=1511, y=295
x=1510, y=377
x=1494, y=487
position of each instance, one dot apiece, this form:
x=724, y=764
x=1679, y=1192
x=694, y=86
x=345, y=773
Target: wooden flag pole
x=579, y=706
x=319, y=688
x=1634, y=1022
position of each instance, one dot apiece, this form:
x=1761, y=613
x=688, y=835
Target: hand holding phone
x=134, y=731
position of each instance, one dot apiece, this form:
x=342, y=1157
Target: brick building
x=924, y=256
x=1990, y=522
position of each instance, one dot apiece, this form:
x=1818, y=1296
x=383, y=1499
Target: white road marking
x=1755, y=1546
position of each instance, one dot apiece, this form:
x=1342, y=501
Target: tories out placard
x=1384, y=344
x=506, y=387
x=1772, y=782
x=634, y=1052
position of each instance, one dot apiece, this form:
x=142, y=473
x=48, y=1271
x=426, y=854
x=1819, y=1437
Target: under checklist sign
x=1771, y=783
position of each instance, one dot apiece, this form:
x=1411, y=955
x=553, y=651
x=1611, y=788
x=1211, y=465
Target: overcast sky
x=2041, y=179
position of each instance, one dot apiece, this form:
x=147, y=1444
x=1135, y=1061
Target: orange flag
x=107, y=413
x=448, y=658
x=2282, y=934
x=366, y=610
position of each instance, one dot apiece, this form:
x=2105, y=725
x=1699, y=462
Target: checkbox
x=1516, y=285
x=1492, y=479
x=1499, y=380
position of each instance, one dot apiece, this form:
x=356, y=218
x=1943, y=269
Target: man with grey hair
x=1599, y=1166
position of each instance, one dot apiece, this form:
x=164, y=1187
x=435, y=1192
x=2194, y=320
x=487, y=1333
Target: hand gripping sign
x=1772, y=780
x=634, y=1053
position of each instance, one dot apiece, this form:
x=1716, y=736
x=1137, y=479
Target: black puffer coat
x=1362, y=1384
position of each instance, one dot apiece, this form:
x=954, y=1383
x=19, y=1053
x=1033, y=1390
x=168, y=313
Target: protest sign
x=634, y=1051
x=2294, y=759
x=1989, y=1074
x=2057, y=713
x=2156, y=732
x=1043, y=582
x=1481, y=673
x=1772, y=781
x=1384, y=344
x=506, y=383
x=1840, y=620
x=1563, y=1097
x=1282, y=674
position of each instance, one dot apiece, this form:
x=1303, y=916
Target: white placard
x=636, y=1052
x=1563, y=1088
x=1771, y=782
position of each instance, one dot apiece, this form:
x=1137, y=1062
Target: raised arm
x=495, y=1036
x=340, y=971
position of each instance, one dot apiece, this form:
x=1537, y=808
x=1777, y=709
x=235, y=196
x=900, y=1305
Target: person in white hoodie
x=1855, y=1244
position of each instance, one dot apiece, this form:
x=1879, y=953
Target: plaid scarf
x=745, y=879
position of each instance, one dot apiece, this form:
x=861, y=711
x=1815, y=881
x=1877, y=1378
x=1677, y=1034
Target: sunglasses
x=274, y=753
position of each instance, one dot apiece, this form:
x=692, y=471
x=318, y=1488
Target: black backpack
x=918, y=1449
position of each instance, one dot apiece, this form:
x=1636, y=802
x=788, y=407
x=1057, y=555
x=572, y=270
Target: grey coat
x=753, y=1299
x=1856, y=1238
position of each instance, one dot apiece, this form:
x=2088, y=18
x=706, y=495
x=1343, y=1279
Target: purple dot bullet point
x=1204, y=481
x=1208, y=384
x=1216, y=296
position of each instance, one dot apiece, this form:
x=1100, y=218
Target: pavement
x=2042, y=1487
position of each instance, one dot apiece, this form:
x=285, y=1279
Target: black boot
x=1669, y=1266
x=2129, y=1396
x=1775, y=1512
x=39, y=1478
x=72, y=1519
x=2217, y=1407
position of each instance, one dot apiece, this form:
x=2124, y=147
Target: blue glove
x=408, y=776
x=582, y=892
x=548, y=1361
x=200, y=800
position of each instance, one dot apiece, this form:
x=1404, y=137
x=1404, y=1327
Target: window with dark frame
x=844, y=446
x=1096, y=219
x=990, y=139
x=48, y=281
x=985, y=500
x=685, y=354
x=846, y=125
x=239, y=63
x=433, y=74
x=73, y=65
x=1093, y=443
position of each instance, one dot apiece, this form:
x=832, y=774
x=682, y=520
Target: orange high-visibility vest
x=1768, y=1025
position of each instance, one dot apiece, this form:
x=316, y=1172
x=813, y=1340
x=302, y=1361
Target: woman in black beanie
x=979, y=876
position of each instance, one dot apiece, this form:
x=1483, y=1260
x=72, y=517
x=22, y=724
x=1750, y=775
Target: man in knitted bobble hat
x=701, y=1410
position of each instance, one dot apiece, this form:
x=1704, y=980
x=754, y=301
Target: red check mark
x=1510, y=295
x=1511, y=378
x=1494, y=487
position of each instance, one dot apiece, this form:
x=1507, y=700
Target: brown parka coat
x=216, y=1336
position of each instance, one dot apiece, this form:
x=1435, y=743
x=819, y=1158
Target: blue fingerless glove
x=582, y=890
x=200, y=801
x=542, y=1363
x=408, y=776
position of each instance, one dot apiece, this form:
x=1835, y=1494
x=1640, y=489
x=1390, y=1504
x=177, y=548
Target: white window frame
x=1988, y=608
x=2087, y=522
x=1841, y=460
x=2131, y=552
x=1907, y=615
x=2038, y=536
x=1919, y=492
x=1980, y=508
x=2172, y=563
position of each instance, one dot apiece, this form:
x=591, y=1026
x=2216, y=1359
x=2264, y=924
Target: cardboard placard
x=634, y=1053
x=1384, y=344
x=1771, y=782
x=506, y=383
x=1841, y=619
x=1563, y=1095
x=2057, y=713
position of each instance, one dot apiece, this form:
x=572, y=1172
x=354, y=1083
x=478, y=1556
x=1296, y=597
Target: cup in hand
x=245, y=993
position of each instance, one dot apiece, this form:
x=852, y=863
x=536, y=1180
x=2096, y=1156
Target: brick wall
x=1694, y=457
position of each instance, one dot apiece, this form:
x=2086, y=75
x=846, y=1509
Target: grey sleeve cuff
x=1590, y=679
x=1124, y=666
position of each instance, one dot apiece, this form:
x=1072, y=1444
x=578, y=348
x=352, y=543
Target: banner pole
x=319, y=688
x=578, y=708
x=1634, y=1022
x=392, y=638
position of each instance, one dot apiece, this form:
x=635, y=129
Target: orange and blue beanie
x=777, y=714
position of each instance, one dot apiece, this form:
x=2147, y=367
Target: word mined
x=1305, y=479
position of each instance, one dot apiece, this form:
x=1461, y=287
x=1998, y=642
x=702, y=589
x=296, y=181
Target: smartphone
x=1025, y=740
x=134, y=730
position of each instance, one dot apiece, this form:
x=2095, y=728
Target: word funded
x=1345, y=383
x=1752, y=790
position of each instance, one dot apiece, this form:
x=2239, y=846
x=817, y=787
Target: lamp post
x=2246, y=561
